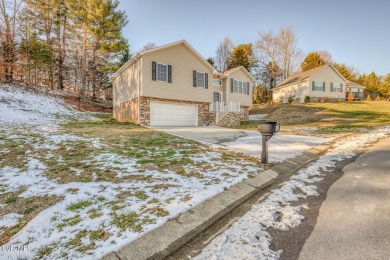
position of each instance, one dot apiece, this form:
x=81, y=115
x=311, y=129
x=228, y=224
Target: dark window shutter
x=170, y=73
x=323, y=86
x=341, y=87
x=231, y=85
x=312, y=87
x=194, y=78
x=206, y=80
x=331, y=87
x=247, y=88
x=154, y=65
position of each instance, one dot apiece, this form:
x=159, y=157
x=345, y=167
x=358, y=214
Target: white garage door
x=169, y=114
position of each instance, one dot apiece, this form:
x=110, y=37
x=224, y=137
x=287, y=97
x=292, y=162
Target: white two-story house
x=173, y=85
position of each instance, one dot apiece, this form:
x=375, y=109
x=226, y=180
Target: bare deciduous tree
x=290, y=54
x=278, y=54
x=223, y=52
x=267, y=47
x=149, y=46
x=8, y=13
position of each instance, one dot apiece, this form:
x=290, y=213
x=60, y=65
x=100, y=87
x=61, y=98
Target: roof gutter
x=139, y=91
x=133, y=60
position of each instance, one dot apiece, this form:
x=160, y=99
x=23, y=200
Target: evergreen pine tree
x=312, y=60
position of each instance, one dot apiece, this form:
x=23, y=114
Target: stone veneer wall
x=127, y=111
x=231, y=119
x=204, y=117
x=245, y=114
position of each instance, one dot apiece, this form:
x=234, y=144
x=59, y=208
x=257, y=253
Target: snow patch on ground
x=21, y=107
x=9, y=220
x=280, y=146
x=248, y=237
x=257, y=116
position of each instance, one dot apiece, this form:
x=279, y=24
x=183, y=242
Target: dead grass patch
x=328, y=117
x=28, y=207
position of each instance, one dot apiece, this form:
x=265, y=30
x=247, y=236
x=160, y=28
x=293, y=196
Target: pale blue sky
x=355, y=32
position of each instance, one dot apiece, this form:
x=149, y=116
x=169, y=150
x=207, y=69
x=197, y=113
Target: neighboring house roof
x=138, y=55
x=354, y=85
x=303, y=76
x=229, y=71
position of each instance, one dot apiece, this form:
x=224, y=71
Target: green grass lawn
x=335, y=117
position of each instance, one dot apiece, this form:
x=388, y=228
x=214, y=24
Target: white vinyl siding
x=244, y=98
x=171, y=114
x=162, y=72
x=200, y=79
x=327, y=75
x=183, y=62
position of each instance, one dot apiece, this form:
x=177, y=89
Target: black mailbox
x=267, y=130
x=269, y=127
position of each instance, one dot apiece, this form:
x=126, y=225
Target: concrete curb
x=163, y=240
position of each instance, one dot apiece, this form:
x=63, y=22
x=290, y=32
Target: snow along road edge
x=162, y=241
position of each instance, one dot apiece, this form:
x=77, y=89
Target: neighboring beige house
x=173, y=85
x=323, y=83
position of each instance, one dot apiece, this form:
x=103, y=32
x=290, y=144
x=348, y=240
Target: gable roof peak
x=304, y=75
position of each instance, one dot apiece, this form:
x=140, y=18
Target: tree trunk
x=83, y=63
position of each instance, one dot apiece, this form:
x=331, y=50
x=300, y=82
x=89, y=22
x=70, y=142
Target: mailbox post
x=267, y=130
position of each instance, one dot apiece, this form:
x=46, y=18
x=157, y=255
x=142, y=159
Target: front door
x=217, y=96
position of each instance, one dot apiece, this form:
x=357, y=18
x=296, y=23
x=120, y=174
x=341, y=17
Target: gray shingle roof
x=354, y=84
x=299, y=77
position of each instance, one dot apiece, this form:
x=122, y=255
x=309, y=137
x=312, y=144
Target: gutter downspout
x=139, y=90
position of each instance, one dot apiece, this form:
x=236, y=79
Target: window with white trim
x=217, y=82
x=318, y=86
x=336, y=87
x=200, y=79
x=162, y=72
x=241, y=87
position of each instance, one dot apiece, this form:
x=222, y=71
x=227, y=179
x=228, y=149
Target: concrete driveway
x=207, y=134
x=281, y=146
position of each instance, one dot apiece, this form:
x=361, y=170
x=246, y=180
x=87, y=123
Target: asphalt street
x=354, y=219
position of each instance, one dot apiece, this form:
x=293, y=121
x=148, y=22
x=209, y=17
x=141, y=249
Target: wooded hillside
x=62, y=44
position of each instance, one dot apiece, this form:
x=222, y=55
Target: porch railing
x=230, y=107
x=216, y=106
x=361, y=95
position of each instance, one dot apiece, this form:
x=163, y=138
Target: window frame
x=240, y=88
x=157, y=72
x=235, y=86
x=338, y=89
x=321, y=88
x=203, y=79
x=220, y=81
